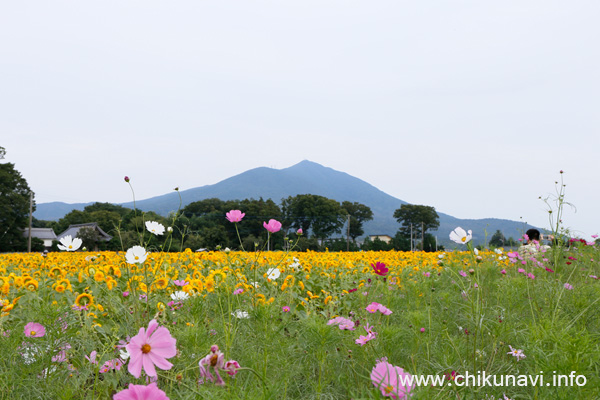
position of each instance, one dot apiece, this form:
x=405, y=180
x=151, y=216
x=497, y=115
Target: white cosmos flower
x=124, y=354
x=155, y=227
x=476, y=251
x=70, y=244
x=136, y=255
x=273, y=273
x=240, y=314
x=460, y=236
x=180, y=296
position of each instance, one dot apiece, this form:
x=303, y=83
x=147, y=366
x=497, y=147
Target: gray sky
x=472, y=107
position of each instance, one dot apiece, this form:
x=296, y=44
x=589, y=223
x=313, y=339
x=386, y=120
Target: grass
x=469, y=322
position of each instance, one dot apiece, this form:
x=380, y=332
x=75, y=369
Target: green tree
x=498, y=239
x=89, y=237
x=421, y=218
x=376, y=245
x=401, y=242
x=14, y=208
x=359, y=213
x=308, y=211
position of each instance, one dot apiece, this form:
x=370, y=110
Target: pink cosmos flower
x=521, y=271
x=373, y=307
x=141, y=392
x=422, y=330
x=531, y=276
x=462, y=273
x=342, y=323
x=392, y=381
x=149, y=349
x=384, y=310
x=273, y=226
x=92, y=357
x=234, y=216
x=427, y=274
x=238, y=291
x=380, y=269
x=285, y=309
x=216, y=360
x=232, y=367
x=371, y=334
x=516, y=353
x=503, y=272
x=181, y=282
x=33, y=329
x=299, y=232
x=568, y=286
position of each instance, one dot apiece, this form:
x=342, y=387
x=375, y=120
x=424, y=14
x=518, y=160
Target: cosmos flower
x=273, y=226
x=136, y=255
x=69, y=244
x=155, y=227
x=139, y=392
x=516, y=353
x=392, y=381
x=273, y=273
x=234, y=215
x=380, y=269
x=459, y=236
x=342, y=323
x=150, y=348
x=180, y=296
x=33, y=329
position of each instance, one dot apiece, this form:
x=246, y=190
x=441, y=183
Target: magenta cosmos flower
x=216, y=360
x=273, y=225
x=380, y=269
x=392, y=381
x=33, y=329
x=141, y=392
x=150, y=348
x=234, y=215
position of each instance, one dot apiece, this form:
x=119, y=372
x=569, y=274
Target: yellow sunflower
x=209, y=285
x=31, y=284
x=99, y=276
x=84, y=299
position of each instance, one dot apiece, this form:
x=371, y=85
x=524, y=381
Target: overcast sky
x=470, y=106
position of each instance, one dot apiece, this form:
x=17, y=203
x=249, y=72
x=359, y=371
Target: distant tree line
x=325, y=223
x=202, y=224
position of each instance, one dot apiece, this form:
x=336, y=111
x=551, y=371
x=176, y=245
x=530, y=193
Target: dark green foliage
x=359, y=213
x=498, y=239
x=419, y=217
x=319, y=214
x=14, y=209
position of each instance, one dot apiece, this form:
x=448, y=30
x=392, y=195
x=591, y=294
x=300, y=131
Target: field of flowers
x=300, y=325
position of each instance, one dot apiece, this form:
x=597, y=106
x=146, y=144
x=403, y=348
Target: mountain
x=305, y=177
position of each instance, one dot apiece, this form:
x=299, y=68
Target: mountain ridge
x=305, y=177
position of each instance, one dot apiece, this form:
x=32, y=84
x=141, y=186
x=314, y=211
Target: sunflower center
x=146, y=348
